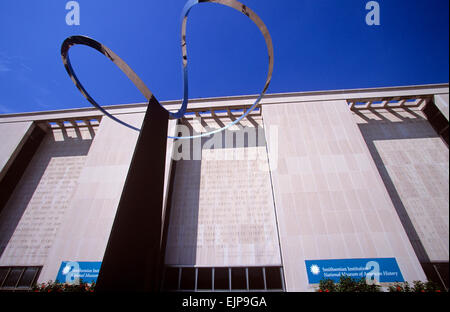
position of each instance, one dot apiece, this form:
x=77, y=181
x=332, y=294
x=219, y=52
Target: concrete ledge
x=242, y=100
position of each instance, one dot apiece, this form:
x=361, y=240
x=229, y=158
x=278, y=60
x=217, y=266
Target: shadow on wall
x=36, y=166
x=415, y=127
x=185, y=185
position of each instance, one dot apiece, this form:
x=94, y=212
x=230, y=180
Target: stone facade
x=324, y=180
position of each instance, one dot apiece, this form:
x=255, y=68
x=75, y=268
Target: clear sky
x=318, y=45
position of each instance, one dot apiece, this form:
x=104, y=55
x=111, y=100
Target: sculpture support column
x=132, y=256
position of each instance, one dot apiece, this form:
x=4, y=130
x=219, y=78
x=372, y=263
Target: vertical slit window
x=187, y=279
x=13, y=277
x=255, y=279
x=204, y=279
x=273, y=278
x=171, y=279
x=221, y=279
x=3, y=273
x=238, y=279
x=28, y=277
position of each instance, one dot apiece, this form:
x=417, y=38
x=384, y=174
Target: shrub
x=347, y=284
x=418, y=287
x=63, y=287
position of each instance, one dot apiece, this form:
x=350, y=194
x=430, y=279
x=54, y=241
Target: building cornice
x=240, y=100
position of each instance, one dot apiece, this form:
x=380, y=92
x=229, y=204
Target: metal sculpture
x=132, y=260
x=74, y=40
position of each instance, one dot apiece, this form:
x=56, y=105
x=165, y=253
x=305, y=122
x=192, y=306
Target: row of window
x=18, y=278
x=269, y=278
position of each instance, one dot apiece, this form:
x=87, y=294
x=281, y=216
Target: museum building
x=310, y=185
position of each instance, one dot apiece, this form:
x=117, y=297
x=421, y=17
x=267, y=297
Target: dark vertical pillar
x=132, y=256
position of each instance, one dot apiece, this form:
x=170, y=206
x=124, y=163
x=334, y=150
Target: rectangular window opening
x=171, y=279
x=255, y=278
x=238, y=279
x=204, y=278
x=273, y=278
x=187, y=279
x=221, y=279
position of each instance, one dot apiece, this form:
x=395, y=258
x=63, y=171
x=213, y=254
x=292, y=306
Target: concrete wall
x=413, y=162
x=222, y=211
x=33, y=215
x=329, y=173
x=85, y=229
x=330, y=200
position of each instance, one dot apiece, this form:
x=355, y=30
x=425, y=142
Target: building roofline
x=271, y=98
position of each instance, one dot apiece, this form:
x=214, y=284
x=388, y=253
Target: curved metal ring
x=74, y=40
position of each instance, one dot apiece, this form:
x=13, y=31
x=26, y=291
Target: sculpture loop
x=83, y=40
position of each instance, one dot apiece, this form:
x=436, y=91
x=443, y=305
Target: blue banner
x=383, y=270
x=72, y=272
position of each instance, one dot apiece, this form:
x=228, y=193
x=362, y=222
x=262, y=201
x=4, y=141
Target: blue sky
x=318, y=44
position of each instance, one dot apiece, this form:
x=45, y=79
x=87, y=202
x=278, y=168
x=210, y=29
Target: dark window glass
x=273, y=278
x=3, y=272
x=436, y=272
x=221, y=279
x=27, y=278
x=442, y=269
x=238, y=278
x=204, y=278
x=187, y=279
x=13, y=277
x=255, y=278
x=171, y=279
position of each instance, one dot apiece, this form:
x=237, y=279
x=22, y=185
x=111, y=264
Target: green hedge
x=417, y=287
x=348, y=284
x=64, y=287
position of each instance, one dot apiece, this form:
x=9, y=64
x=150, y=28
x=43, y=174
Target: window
x=238, y=279
x=273, y=278
x=187, y=279
x=184, y=278
x=437, y=272
x=204, y=279
x=18, y=278
x=256, y=278
x=171, y=279
x=221, y=279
